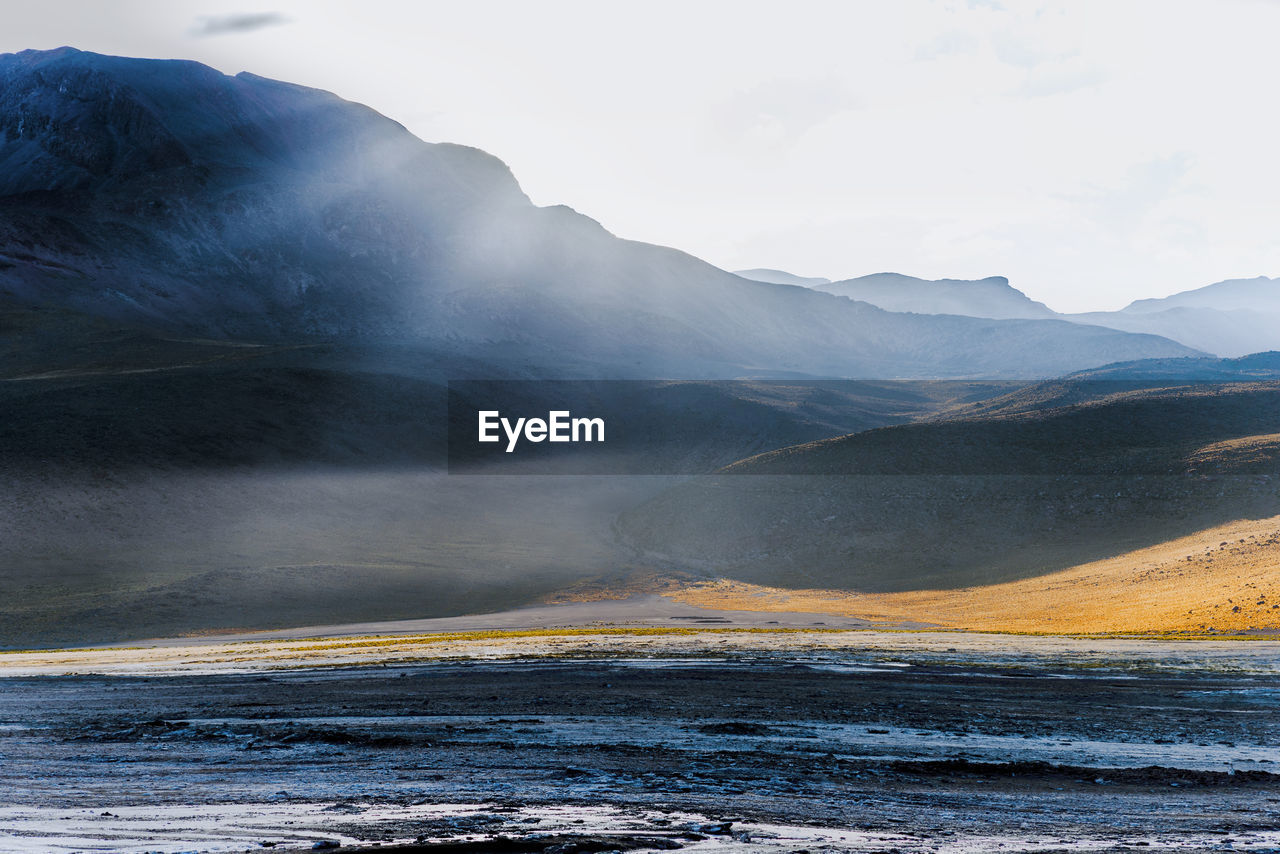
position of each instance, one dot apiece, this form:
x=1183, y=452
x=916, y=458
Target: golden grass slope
x=1224, y=579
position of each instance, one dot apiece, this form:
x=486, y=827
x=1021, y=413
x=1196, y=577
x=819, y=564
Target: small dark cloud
x=218, y=25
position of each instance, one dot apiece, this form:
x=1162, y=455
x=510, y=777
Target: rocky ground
x=762, y=753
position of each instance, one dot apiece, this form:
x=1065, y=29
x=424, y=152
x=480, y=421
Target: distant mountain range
x=230, y=308
x=1257, y=294
x=992, y=297
x=1229, y=318
x=167, y=195
x=781, y=277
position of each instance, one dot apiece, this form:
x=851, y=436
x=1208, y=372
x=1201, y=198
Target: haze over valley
x=232, y=308
x=573, y=427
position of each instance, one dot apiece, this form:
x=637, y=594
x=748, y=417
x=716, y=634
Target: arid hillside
x=978, y=501
x=1224, y=579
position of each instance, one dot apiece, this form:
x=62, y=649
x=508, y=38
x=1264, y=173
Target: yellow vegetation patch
x=366, y=650
x=375, y=641
x=1225, y=579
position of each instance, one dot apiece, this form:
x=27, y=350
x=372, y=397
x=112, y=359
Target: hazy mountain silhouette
x=991, y=297
x=1230, y=318
x=781, y=277
x=1260, y=294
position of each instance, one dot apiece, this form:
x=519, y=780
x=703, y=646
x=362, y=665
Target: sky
x=1093, y=152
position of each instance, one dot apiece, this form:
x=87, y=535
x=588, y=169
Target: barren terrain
x=1224, y=579
x=710, y=741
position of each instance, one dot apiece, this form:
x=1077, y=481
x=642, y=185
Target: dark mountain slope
x=1150, y=431
x=168, y=193
x=1159, y=377
x=124, y=398
x=979, y=500
x=1253, y=366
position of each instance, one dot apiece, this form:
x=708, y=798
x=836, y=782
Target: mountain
x=780, y=277
x=230, y=310
x=1254, y=366
x=1227, y=333
x=1046, y=479
x=1147, y=376
x=991, y=297
x=1259, y=294
x=1230, y=318
x=168, y=195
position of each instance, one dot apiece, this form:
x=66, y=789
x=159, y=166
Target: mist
x=120, y=555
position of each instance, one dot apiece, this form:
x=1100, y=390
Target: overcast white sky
x=1093, y=152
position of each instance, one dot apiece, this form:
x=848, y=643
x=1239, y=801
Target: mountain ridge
x=780, y=277
x=990, y=495
x=1228, y=294
x=1230, y=318
x=991, y=297
x=167, y=193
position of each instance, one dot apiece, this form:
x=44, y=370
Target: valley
x=291, y=559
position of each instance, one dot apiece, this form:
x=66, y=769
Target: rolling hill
x=1038, y=485
x=1222, y=579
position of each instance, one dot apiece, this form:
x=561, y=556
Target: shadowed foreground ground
x=911, y=749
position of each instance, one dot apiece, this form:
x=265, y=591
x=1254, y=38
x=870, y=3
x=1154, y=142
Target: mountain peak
x=1258, y=294
x=73, y=120
x=990, y=297
x=31, y=54
x=780, y=277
